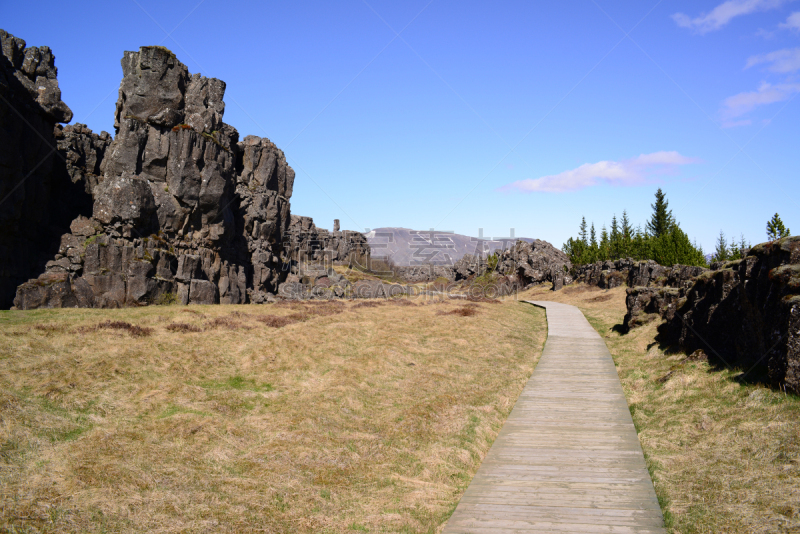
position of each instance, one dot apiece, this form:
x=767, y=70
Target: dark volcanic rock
x=36, y=204
x=609, y=274
x=745, y=314
x=312, y=246
x=646, y=304
x=181, y=210
x=423, y=273
x=469, y=265
x=532, y=263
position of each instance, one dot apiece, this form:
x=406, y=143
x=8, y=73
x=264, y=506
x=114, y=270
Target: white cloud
x=738, y=105
x=628, y=172
x=786, y=60
x=723, y=13
x=793, y=22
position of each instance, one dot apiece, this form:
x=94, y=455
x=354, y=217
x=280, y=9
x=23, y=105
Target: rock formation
x=314, y=245
x=533, y=263
x=34, y=201
x=609, y=274
x=745, y=314
x=181, y=209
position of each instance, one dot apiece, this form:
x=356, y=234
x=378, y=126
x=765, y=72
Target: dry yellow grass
x=346, y=419
x=724, y=456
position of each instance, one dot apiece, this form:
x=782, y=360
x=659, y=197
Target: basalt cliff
x=176, y=208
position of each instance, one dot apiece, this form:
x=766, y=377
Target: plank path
x=568, y=458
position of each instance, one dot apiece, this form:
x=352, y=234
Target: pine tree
x=661, y=221
x=675, y=247
x=733, y=250
x=614, y=239
x=721, y=253
x=582, y=233
x=626, y=236
x=605, y=245
x=592, y=245
x=776, y=229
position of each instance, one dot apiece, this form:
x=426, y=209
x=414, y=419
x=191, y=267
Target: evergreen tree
x=592, y=245
x=661, y=221
x=605, y=245
x=582, y=233
x=675, y=247
x=626, y=235
x=640, y=245
x=733, y=250
x=776, y=229
x=721, y=253
x=744, y=246
x=614, y=239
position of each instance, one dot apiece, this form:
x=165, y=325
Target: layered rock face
x=32, y=196
x=746, y=314
x=181, y=209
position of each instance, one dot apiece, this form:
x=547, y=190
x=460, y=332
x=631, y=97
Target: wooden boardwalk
x=568, y=458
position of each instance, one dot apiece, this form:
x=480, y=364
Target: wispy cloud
x=786, y=60
x=737, y=105
x=628, y=172
x=724, y=13
x=792, y=23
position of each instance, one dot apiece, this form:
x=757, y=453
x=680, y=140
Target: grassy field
x=724, y=456
x=356, y=417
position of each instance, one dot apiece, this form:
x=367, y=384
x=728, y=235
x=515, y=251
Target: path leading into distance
x=568, y=458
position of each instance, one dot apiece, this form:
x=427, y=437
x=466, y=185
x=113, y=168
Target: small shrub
x=463, y=311
x=401, y=302
x=166, y=299
x=183, y=328
x=49, y=328
x=368, y=304
x=133, y=330
x=226, y=322
x=327, y=308
x=275, y=321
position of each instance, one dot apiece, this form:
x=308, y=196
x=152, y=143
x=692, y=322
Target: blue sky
x=464, y=115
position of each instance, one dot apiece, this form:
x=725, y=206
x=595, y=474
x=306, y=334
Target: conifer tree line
x=662, y=240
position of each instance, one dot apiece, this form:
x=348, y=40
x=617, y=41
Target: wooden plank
x=568, y=458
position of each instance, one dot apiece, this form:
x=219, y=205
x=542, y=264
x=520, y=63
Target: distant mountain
x=413, y=247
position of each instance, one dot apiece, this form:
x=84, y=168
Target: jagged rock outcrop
x=423, y=273
x=745, y=314
x=469, y=265
x=181, y=209
x=532, y=263
x=605, y=274
x=647, y=304
x=614, y=273
x=317, y=245
x=32, y=196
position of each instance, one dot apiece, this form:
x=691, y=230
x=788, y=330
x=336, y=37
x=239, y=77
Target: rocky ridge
x=36, y=203
x=745, y=313
x=175, y=208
